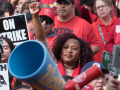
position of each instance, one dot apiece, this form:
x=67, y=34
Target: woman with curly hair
x=69, y=52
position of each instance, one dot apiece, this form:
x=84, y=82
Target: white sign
x=15, y=28
x=4, y=78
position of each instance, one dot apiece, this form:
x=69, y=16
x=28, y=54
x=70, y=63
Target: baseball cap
x=86, y=2
x=28, y=15
x=47, y=12
x=92, y=63
x=69, y=1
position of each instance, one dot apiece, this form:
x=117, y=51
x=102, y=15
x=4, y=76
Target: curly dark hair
x=86, y=54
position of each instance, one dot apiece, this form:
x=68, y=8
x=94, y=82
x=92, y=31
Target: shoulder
x=82, y=22
x=117, y=21
x=95, y=25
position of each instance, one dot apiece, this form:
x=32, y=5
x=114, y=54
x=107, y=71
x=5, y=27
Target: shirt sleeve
x=92, y=38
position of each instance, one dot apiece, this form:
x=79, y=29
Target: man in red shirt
x=46, y=16
x=66, y=21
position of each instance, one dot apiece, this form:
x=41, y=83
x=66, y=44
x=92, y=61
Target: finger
x=77, y=87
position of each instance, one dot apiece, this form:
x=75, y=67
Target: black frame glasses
x=102, y=6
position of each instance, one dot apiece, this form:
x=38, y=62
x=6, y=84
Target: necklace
x=69, y=72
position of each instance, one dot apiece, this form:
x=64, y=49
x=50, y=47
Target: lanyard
x=101, y=34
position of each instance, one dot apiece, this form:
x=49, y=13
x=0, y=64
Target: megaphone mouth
x=27, y=59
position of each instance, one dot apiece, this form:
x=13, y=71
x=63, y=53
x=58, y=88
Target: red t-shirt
x=105, y=30
x=88, y=87
x=79, y=27
x=114, y=36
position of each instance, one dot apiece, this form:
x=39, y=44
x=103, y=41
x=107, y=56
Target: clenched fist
x=34, y=8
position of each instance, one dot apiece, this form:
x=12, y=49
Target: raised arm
x=38, y=29
x=35, y=8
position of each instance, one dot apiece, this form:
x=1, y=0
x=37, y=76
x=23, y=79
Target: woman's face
x=70, y=51
x=102, y=9
x=6, y=52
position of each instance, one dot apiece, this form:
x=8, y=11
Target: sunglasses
x=47, y=20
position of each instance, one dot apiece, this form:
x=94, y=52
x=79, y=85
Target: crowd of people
x=75, y=33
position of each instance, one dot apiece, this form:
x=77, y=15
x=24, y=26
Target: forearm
x=38, y=29
x=95, y=49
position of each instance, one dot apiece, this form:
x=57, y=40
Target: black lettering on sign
x=9, y=24
x=3, y=67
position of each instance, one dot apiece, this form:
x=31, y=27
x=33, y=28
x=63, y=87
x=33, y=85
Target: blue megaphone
x=31, y=63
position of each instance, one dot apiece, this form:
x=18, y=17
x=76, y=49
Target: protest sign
x=107, y=62
x=4, y=78
x=15, y=28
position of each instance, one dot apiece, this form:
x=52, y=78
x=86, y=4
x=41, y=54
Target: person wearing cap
x=67, y=22
x=98, y=83
x=104, y=23
x=86, y=10
x=46, y=16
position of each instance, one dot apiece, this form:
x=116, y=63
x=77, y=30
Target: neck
x=5, y=61
x=65, y=18
x=106, y=20
x=70, y=67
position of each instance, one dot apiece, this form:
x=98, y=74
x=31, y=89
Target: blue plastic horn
x=31, y=63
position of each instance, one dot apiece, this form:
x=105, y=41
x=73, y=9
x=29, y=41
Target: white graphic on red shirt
x=117, y=28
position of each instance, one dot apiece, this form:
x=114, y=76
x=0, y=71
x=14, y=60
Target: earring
x=79, y=60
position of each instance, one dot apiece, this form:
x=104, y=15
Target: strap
x=101, y=34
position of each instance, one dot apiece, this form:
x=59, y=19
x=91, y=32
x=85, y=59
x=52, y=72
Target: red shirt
x=105, y=30
x=114, y=36
x=79, y=27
